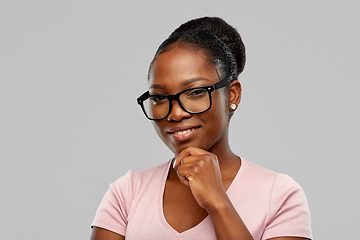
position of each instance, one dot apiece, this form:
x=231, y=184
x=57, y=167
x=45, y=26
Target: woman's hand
x=200, y=170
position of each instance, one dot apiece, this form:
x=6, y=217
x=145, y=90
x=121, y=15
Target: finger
x=191, y=166
x=184, y=174
x=178, y=158
x=188, y=151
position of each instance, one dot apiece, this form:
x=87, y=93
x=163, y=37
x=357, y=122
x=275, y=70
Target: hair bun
x=217, y=26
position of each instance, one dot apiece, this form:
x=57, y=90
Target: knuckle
x=202, y=162
x=214, y=157
x=207, y=157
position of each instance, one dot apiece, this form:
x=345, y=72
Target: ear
x=234, y=94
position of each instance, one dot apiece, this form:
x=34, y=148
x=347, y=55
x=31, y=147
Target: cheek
x=217, y=118
x=157, y=127
x=220, y=104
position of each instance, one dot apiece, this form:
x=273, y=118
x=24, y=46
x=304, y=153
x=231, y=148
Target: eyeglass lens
x=194, y=101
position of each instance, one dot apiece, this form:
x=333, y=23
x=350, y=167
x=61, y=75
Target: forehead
x=178, y=65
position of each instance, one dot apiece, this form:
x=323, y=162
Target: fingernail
x=174, y=162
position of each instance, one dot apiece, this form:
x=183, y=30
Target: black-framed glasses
x=194, y=100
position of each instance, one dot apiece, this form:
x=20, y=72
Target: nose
x=177, y=112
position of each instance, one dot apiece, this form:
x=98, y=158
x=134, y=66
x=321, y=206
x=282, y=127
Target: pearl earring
x=233, y=106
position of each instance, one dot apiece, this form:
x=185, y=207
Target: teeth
x=183, y=132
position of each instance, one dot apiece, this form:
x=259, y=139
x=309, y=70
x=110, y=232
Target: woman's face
x=179, y=69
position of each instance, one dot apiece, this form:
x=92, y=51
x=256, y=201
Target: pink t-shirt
x=270, y=204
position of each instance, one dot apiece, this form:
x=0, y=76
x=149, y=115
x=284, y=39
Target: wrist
x=219, y=205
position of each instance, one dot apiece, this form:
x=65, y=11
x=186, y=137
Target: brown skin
x=103, y=234
x=204, y=166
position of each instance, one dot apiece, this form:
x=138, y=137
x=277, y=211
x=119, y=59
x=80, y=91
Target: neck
x=227, y=159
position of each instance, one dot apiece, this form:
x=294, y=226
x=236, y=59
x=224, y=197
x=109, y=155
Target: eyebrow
x=185, y=83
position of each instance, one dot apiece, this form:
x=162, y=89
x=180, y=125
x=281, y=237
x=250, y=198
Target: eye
x=158, y=99
x=196, y=93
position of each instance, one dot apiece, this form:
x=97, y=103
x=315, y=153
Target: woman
x=205, y=191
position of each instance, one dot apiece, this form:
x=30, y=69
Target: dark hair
x=221, y=41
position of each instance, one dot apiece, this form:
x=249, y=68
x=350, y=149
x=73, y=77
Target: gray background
x=70, y=72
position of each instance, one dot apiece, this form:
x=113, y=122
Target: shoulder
x=282, y=200
x=141, y=178
x=256, y=172
x=278, y=188
x=114, y=209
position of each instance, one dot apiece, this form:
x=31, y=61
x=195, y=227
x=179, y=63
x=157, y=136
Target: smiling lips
x=182, y=134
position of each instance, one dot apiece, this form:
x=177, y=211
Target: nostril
x=177, y=112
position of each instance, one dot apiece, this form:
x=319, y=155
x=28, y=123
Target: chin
x=177, y=148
